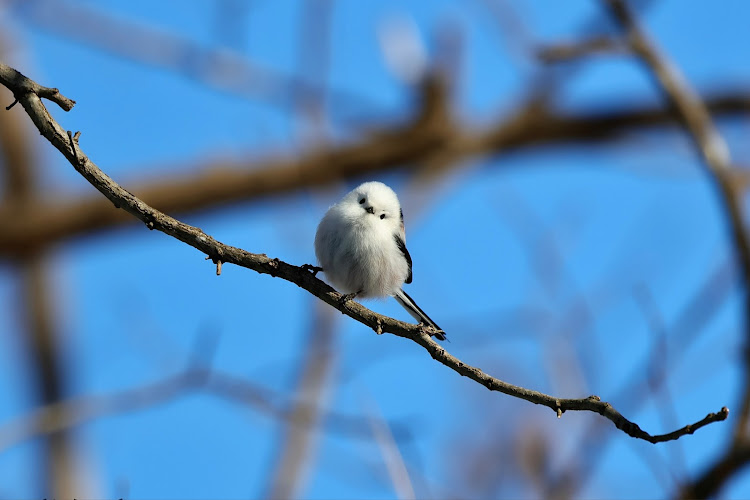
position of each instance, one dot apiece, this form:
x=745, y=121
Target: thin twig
x=300, y=276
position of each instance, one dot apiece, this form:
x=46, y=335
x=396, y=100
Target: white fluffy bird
x=361, y=246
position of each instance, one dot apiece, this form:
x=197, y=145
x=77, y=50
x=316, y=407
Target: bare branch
x=302, y=277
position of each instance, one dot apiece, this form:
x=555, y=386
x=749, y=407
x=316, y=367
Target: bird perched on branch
x=361, y=247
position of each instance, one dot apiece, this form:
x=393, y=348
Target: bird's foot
x=432, y=331
x=313, y=269
x=349, y=296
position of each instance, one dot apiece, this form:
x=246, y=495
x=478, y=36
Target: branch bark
x=67, y=143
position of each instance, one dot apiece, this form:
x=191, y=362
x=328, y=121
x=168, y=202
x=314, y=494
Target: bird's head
x=376, y=202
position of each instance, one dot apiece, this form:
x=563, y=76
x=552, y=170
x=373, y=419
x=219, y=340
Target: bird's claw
x=346, y=298
x=432, y=331
x=313, y=269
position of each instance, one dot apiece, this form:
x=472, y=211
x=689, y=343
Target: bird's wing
x=402, y=246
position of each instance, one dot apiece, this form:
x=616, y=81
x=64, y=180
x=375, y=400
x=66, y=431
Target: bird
x=360, y=245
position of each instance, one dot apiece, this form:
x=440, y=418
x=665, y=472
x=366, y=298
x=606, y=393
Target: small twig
x=74, y=144
x=691, y=428
x=20, y=86
x=216, y=261
x=301, y=276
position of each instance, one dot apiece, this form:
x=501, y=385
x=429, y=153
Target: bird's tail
x=413, y=309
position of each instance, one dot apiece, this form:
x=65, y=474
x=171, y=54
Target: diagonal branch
x=67, y=144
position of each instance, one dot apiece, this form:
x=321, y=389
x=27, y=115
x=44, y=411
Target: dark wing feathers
x=402, y=246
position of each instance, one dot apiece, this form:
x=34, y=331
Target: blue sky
x=618, y=216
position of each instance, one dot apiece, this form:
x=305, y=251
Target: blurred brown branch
x=65, y=414
x=42, y=341
x=566, y=51
x=67, y=144
x=53, y=220
x=298, y=441
x=216, y=67
x=713, y=479
x=697, y=120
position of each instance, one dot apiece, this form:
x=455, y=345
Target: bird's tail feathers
x=417, y=313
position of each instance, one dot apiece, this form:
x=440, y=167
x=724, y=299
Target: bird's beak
x=370, y=210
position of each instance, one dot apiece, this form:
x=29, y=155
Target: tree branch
x=67, y=144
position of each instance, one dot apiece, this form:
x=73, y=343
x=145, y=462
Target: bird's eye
x=382, y=216
x=361, y=201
